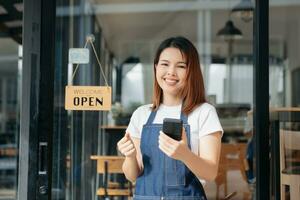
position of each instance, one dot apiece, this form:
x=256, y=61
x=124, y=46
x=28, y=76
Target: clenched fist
x=126, y=146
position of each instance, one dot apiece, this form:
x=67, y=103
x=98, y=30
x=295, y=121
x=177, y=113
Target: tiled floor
x=235, y=183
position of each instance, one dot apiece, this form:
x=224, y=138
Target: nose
x=171, y=71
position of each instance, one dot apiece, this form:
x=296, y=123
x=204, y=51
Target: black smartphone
x=172, y=128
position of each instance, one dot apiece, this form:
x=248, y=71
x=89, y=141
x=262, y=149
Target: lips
x=170, y=82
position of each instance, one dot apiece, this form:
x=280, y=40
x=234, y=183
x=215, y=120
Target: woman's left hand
x=173, y=148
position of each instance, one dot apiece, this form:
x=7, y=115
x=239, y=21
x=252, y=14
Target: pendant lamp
x=229, y=32
x=244, y=10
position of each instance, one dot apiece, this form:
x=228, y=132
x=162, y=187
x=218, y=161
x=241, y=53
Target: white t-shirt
x=203, y=121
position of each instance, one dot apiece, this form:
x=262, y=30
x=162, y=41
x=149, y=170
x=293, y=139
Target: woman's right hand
x=126, y=146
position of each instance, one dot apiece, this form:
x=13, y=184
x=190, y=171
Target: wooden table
x=278, y=109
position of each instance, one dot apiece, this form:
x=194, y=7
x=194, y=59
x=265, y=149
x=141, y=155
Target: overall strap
x=184, y=118
x=151, y=117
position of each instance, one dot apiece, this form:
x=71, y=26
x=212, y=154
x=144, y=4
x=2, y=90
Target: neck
x=170, y=100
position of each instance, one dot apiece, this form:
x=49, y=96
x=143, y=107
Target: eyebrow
x=181, y=62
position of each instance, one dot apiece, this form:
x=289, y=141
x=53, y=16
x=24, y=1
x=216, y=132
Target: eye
x=181, y=66
x=164, y=64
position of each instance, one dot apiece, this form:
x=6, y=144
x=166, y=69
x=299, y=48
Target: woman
x=162, y=167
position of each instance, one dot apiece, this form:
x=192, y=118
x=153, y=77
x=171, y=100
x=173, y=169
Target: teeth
x=171, y=81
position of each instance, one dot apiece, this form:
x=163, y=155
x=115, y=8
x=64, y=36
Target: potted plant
x=122, y=115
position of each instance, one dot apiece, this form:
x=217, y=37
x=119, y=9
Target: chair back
x=289, y=140
x=113, y=164
x=107, y=166
x=233, y=157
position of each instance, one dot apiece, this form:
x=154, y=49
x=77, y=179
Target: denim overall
x=164, y=178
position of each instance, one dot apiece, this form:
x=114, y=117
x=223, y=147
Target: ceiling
x=11, y=19
x=135, y=28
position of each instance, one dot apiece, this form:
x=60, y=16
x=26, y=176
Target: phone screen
x=173, y=128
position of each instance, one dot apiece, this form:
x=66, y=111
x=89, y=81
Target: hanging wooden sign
x=88, y=98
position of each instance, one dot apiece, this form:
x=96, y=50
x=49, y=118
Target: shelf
x=113, y=127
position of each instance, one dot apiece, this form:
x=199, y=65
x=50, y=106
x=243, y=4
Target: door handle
x=43, y=158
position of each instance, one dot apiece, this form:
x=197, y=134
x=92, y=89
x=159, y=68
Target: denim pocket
x=152, y=160
x=175, y=173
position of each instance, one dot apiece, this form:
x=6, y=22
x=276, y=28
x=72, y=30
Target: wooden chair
x=289, y=175
x=109, y=165
x=232, y=157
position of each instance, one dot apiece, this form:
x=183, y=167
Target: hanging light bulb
x=229, y=32
x=244, y=10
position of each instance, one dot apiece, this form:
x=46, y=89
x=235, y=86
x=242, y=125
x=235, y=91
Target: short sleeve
x=210, y=123
x=133, y=127
x=248, y=124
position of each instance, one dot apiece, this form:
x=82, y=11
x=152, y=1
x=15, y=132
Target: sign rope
x=90, y=39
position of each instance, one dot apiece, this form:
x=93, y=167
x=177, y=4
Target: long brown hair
x=193, y=93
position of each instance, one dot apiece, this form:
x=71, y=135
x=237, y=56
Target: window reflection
x=10, y=79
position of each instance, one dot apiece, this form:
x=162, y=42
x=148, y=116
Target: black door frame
x=37, y=99
x=35, y=153
x=261, y=98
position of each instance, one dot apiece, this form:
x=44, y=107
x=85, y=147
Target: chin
x=173, y=92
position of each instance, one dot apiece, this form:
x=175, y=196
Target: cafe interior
x=126, y=33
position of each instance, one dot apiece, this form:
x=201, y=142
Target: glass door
x=77, y=134
x=127, y=34
x=56, y=145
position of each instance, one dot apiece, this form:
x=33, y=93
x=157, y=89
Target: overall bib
x=164, y=178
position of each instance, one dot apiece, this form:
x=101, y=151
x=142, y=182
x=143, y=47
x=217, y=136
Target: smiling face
x=177, y=75
x=171, y=71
